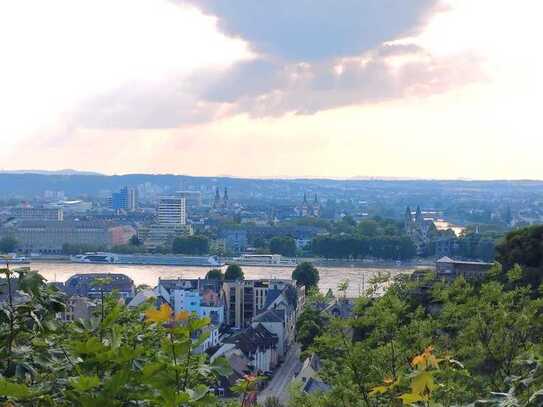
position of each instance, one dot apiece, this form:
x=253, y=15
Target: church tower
x=217, y=199
x=225, y=198
x=408, y=220
x=419, y=219
x=316, y=207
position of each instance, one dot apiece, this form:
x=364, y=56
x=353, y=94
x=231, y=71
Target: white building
x=172, y=211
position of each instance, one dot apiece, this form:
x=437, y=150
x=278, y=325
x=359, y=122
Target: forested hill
x=75, y=184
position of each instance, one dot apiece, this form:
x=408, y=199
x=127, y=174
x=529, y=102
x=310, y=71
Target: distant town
x=258, y=221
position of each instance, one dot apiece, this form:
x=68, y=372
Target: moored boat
x=145, y=259
x=267, y=260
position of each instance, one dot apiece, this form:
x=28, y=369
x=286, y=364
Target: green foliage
x=310, y=325
x=215, y=274
x=525, y=248
x=488, y=336
x=120, y=357
x=233, y=273
x=73, y=249
x=283, y=245
x=8, y=244
x=128, y=249
x=135, y=241
x=195, y=245
x=346, y=246
x=306, y=275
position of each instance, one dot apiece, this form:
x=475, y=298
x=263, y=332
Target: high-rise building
x=172, y=211
x=125, y=199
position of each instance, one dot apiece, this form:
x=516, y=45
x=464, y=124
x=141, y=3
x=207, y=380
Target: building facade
x=125, y=199
x=449, y=269
x=49, y=237
x=172, y=211
x=40, y=214
x=245, y=299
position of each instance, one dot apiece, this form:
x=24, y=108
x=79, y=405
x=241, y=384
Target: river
x=329, y=276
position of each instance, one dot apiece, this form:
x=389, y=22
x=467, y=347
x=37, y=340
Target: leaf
x=91, y=347
x=30, y=281
x=161, y=315
x=378, y=390
x=182, y=315
x=221, y=366
x=116, y=337
x=537, y=395
x=199, y=392
x=410, y=398
x=85, y=383
x=13, y=390
x=418, y=361
x=422, y=383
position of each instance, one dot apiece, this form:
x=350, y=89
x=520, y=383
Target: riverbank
x=330, y=277
x=317, y=261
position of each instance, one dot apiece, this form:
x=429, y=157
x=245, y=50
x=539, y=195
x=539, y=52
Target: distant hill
x=28, y=184
x=52, y=172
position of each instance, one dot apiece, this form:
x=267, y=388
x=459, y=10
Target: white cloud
x=56, y=54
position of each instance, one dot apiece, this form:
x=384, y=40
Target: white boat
x=144, y=259
x=14, y=259
x=265, y=260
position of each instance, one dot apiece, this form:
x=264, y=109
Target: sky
x=440, y=89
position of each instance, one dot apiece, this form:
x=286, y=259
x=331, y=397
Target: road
x=278, y=385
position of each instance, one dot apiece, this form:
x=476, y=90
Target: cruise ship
x=142, y=259
x=265, y=260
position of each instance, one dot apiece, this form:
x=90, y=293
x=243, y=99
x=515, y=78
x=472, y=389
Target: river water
x=330, y=277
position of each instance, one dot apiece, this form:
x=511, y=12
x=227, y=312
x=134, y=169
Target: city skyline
x=435, y=89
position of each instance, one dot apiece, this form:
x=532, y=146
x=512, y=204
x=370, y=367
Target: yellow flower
x=163, y=314
x=418, y=360
x=182, y=315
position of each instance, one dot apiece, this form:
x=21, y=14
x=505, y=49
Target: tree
x=191, y=245
x=233, y=273
x=215, y=274
x=283, y=245
x=523, y=247
x=120, y=357
x=8, y=244
x=368, y=228
x=135, y=241
x=72, y=249
x=306, y=275
x=310, y=325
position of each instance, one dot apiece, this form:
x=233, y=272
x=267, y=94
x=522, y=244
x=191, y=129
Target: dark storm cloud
x=309, y=30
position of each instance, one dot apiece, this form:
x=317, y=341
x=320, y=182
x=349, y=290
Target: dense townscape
x=427, y=335
x=282, y=203
x=349, y=220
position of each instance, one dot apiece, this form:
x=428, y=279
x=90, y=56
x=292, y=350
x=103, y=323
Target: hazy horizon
x=71, y=171
x=429, y=89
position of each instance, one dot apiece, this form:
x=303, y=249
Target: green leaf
x=85, y=383
x=30, y=282
x=410, y=398
x=221, y=366
x=199, y=392
x=90, y=347
x=13, y=390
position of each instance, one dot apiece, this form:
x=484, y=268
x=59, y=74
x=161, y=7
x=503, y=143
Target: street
x=278, y=385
